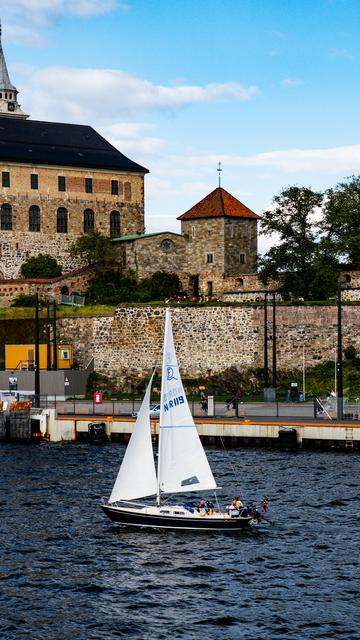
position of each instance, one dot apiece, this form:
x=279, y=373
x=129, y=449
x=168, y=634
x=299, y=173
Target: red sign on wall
x=98, y=397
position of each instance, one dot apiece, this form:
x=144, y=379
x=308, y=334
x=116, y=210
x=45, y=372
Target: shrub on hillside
x=41, y=266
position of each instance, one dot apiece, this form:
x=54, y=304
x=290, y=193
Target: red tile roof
x=218, y=204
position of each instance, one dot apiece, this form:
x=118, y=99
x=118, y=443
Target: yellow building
x=22, y=356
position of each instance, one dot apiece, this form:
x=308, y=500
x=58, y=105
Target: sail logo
x=175, y=402
x=170, y=373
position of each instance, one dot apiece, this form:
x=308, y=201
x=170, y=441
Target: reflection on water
x=68, y=572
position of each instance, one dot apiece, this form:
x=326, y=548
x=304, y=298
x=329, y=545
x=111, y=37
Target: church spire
x=9, y=106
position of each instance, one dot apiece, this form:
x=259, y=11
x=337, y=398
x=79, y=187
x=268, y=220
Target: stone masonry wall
x=19, y=243
x=129, y=344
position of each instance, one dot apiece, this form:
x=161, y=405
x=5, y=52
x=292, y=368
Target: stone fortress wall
x=129, y=344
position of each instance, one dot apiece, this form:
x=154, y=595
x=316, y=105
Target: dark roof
x=56, y=143
x=218, y=204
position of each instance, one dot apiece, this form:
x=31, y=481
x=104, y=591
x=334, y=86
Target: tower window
x=6, y=217
x=114, y=224
x=61, y=220
x=5, y=177
x=88, y=220
x=114, y=187
x=88, y=185
x=193, y=232
x=210, y=258
x=34, y=218
x=242, y=258
x=34, y=181
x=61, y=183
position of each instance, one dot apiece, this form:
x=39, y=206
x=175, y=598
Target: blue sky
x=268, y=87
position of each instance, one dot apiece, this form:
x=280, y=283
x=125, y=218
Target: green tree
x=112, y=287
x=94, y=249
x=303, y=259
x=159, y=286
x=342, y=219
x=41, y=266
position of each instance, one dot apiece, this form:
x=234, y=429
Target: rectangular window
x=242, y=258
x=61, y=183
x=210, y=258
x=114, y=187
x=193, y=232
x=88, y=185
x=5, y=176
x=34, y=181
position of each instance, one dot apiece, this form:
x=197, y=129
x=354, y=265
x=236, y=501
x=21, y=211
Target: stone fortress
x=59, y=181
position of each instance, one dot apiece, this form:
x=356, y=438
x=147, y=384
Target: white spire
x=9, y=106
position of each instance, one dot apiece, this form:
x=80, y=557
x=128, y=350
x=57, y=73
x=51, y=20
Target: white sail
x=183, y=465
x=137, y=475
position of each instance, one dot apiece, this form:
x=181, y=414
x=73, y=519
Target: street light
x=340, y=389
x=37, y=353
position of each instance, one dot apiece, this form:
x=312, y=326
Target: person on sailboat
x=201, y=507
x=209, y=508
x=236, y=503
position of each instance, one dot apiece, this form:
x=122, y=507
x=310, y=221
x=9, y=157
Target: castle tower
x=9, y=106
x=222, y=240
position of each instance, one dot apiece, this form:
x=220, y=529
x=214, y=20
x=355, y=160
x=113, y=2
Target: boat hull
x=133, y=518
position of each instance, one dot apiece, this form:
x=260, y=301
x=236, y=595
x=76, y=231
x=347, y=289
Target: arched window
x=114, y=224
x=88, y=220
x=6, y=217
x=62, y=220
x=34, y=218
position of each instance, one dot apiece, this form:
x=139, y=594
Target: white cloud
x=129, y=138
x=291, y=82
x=330, y=160
x=88, y=94
x=28, y=20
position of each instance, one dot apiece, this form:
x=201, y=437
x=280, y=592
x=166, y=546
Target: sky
x=269, y=88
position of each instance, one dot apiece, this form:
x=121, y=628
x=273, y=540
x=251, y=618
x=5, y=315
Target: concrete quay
x=289, y=433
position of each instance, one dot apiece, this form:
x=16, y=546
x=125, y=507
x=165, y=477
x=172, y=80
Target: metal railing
x=243, y=410
x=73, y=300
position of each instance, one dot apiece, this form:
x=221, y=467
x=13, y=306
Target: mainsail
x=183, y=465
x=137, y=475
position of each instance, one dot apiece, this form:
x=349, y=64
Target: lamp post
x=37, y=353
x=340, y=389
x=48, y=339
x=266, y=365
x=274, y=344
x=55, y=355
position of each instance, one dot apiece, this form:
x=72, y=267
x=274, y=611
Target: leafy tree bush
x=111, y=287
x=25, y=300
x=41, y=266
x=94, y=249
x=158, y=286
x=305, y=258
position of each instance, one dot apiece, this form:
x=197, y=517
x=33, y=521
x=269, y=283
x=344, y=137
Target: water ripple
x=67, y=572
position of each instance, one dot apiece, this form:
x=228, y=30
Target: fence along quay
x=263, y=424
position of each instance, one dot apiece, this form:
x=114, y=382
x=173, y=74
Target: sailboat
x=182, y=465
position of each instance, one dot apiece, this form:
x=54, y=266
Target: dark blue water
x=68, y=573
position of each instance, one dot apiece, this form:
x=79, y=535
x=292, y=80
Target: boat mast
x=163, y=374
